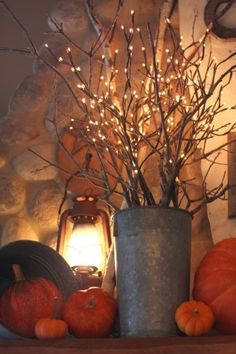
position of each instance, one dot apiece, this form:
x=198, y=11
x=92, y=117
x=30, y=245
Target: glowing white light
x=84, y=247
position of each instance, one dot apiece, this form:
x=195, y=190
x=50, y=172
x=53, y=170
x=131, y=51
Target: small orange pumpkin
x=50, y=328
x=194, y=318
x=90, y=313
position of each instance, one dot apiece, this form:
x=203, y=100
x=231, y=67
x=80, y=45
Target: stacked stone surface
x=31, y=190
x=41, y=106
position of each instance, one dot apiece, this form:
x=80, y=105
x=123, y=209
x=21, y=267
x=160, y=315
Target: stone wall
x=31, y=189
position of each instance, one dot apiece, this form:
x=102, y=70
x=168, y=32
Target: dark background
x=14, y=67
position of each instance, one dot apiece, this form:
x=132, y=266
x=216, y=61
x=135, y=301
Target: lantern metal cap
x=84, y=207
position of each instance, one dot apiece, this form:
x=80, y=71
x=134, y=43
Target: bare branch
x=167, y=108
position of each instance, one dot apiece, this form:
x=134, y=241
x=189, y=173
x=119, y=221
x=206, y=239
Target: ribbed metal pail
x=152, y=250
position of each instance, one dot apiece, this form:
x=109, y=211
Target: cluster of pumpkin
x=214, y=293
x=35, y=308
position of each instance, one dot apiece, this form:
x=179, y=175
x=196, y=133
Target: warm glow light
x=84, y=247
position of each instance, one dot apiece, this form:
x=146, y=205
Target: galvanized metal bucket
x=152, y=256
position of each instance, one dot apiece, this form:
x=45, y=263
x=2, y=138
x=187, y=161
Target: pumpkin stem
x=18, y=274
x=91, y=302
x=195, y=312
x=55, y=314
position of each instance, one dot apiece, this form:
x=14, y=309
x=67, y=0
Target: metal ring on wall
x=210, y=15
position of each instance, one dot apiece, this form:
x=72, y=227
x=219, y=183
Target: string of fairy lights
x=163, y=107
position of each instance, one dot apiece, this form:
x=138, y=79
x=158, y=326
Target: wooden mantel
x=172, y=345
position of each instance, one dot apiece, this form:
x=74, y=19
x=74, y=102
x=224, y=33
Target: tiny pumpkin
x=194, y=318
x=50, y=328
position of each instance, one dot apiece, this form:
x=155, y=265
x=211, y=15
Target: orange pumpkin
x=215, y=284
x=49, y=328
x=90, y=313
x=26, y=301
x=194, y=318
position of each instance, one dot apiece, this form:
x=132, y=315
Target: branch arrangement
x=164, y=109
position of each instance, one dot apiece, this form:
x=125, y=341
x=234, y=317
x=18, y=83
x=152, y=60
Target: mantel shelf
x=171, y=345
